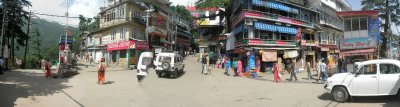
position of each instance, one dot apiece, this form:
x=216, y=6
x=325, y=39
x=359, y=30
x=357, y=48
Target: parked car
x=369, y=78
x=168, y=63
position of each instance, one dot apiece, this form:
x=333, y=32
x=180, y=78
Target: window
x=133, y=33
x=113, y=34
x=355, y=24
x=212, y=13
x=122, y=34
x=368, y=69
x=389, y=69
x=347, y=25
x=266, y=35
x=363, y=23
x=146, y=60
x=122, y=54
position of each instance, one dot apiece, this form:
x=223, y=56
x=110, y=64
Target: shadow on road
x=18, y=84
x=388, y=101
x=167, y=75
x=108, y=82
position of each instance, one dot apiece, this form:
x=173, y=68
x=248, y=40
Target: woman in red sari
x=101, y=72
x=47, y=68
x=275, y=69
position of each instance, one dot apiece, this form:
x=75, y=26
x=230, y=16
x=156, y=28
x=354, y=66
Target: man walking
x=309, y=76
x=293, y=71
x=323, y=71
x=206, y=62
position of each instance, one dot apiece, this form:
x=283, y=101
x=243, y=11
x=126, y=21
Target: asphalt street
x=29, y=88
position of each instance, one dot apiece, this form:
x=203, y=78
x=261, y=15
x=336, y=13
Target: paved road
x=25, y=88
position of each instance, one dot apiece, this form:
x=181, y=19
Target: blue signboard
x=374, y=28
x=252, y=60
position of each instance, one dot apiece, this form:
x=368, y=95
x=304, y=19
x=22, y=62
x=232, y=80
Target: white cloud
x=87, y=8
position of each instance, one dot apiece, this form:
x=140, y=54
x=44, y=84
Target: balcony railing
x=253, y=42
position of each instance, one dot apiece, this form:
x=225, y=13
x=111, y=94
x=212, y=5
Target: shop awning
x=263, y=26
x=358, y=51
x=273, y=28
x=258, y=2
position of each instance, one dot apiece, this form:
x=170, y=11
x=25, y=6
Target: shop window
x=266, y=35
x=347, y=25
x=122, y=34
x=122, y=54
x=355, y=24
x=363, y=23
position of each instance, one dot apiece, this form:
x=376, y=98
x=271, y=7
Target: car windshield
x=146, y=60
x=164, y=58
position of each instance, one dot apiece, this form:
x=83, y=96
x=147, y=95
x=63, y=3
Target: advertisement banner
x=252, y=60
x=356, y=43
x=120, y=45
x=373, y=28
x=269, y=55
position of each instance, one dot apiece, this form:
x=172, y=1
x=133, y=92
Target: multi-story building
x=209, y=25
x=361, y=35
x=270, y=30
x=326, y=40
x=183, y=37
x=123, y=31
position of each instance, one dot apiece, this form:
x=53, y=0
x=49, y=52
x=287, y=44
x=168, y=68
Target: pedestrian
x=101, y=72
x=293, y=71
x=47, y=68
x=91, y=60
x=1, y=65
x=309, y=76
x=277, y=75
x=319, y=70
x=228, y=65
x=323, y=71
x=206, y=63
x=235, y=67
x=240, y=68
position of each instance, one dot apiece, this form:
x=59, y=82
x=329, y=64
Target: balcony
x=270, y=17
x=263, y=42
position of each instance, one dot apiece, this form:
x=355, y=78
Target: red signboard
x=256, y=14
x=141, y=45
x=254, y=42
x=120, y=45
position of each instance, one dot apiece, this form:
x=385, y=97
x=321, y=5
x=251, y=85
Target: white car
x=171, y=63
x=369, y=78
x=144, y=63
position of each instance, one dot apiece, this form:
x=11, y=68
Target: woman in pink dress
x=240, y=67
x=277, y=77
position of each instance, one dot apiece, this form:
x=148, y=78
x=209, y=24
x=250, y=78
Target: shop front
x=126, y=53
x=330, y=54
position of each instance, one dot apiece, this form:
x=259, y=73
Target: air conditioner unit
x=248, y=22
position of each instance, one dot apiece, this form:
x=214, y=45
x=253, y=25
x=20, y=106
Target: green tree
x=36, y=42
x=389, y=10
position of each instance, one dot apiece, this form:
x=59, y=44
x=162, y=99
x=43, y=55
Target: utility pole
x=26, y=41
x=3, y=28
x=148, y=11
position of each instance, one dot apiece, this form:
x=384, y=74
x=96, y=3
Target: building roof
x=370, y=13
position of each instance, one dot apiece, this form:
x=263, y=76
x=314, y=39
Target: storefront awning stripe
x=258, y=2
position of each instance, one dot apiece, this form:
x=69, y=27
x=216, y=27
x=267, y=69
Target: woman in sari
x=240, y=67
x=101, y=72
x=47, y=68
x=275, y=69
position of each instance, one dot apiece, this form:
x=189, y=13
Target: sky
x=87, y=8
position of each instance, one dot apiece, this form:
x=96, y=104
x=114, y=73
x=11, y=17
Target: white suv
x=369, y=78
x=171, y=63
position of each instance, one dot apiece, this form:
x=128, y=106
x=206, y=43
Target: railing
x=247, y=42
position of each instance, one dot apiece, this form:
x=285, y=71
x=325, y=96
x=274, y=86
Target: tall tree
x=15, y=17
x=36, y=42
x=389, y=10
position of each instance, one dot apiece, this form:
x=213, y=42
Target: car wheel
x=340, y=94
x=165, y=65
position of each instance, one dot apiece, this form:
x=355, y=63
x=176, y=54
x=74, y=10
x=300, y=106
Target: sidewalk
x=85, y=66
